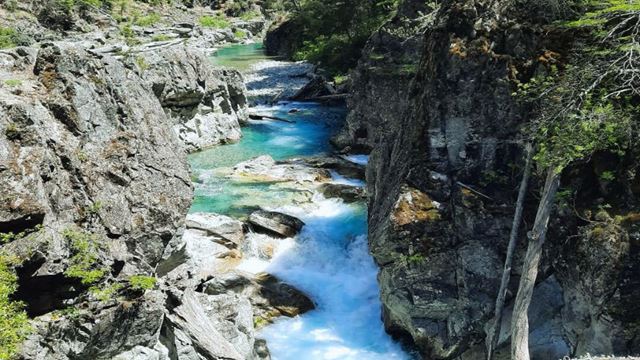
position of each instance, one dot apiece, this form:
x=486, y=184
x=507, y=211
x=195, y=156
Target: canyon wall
x=443, y=174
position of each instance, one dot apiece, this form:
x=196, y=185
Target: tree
x=587, y=107
x=494, y=330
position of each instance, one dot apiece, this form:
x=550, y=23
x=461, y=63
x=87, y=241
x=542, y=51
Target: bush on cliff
x=14, y=325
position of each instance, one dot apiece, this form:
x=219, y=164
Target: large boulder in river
x=269, y=296
x=347, y=193
x=207, y=104
x=275, y=223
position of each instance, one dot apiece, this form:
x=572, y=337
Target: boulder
x=346, y=192
x=315, y=88
x=275, y=223
x=229, y=230
x=340, y=165
x=269, y=296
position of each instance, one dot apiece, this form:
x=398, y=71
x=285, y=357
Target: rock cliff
x=95, y=189
x=442, y=178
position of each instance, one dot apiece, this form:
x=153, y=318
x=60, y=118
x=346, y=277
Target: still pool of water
x=239, y=57
x=329, y=260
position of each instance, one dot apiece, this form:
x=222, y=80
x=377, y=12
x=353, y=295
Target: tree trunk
x=520, y=321
x=494, y=330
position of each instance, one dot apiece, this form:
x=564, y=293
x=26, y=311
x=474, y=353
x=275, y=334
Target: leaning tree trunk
x=520, y=321
x=494, y=330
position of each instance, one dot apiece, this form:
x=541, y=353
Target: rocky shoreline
x=95, y=179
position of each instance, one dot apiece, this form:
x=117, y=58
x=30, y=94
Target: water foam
x=330, y=262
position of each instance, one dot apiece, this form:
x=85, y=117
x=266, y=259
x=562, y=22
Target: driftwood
x=520, y=320
x=328, y=97
x=494, y=329
x=262, y=117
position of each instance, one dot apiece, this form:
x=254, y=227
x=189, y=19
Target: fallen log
x=262, y=117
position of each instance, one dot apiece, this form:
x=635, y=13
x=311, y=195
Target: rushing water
x=328, y=260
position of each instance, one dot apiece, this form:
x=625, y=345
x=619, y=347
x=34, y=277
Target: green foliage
x=11, y=236
x=142, y=282
x=148, y=20
x=106, y=293
x=607, y=176
x=333, y=32
x=95, y=207
x=340, y=79
x=590, y=106
x=129, y=35
x=249, y=15
x=141, y=63
x=14, y=323
x=415, y=258
x=84, y=264
x=215, y=22
x=7, y=37
x=161, y=37
x=13, y=82
x=241, y=34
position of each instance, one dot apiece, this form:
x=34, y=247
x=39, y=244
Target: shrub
x=250, y=15
x=215, y=22
x=148, y=20
x=7, y=38
x=14, y=323
x=84, y=264
x=142, y=282
x=240, y=34
x=13, y=82
x=161, y=37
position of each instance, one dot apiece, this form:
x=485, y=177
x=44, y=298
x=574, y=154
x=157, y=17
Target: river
x=329, y=259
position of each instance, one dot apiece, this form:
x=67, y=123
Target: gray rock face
x=280, y=39
x=382, y=79
x=205, y=103
x=74, y=150
x=441, y=192
x=277, y=223
x=85, y=147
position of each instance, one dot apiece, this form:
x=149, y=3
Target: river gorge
x=329, y=259
x=319, y=179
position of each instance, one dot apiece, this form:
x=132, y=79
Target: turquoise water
x=309, y=135
x=329, y=260
x=239, y=57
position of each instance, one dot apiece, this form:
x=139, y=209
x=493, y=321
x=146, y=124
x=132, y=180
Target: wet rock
x=265, y=169
x=276, y=223
x=269, y=296
x=286, y=299
x=346, y=192
x=261, y=349
x=340, y=165
x=216, y=225
x=317, y=87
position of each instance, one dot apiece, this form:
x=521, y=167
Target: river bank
x=329, y=259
